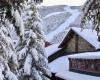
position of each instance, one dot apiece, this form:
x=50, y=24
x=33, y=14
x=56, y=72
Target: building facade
x=85, y=64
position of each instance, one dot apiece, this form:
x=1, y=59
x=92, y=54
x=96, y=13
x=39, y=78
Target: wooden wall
x=91, y=66
x=77, y=44
x=84, y=46
x=70, y=46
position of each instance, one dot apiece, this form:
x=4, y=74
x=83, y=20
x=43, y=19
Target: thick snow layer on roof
x=88, y=55
x=76, y=76
x=89, y=35
x=52, y=49
x=60, y=66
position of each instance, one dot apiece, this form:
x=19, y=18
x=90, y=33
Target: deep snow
x=60, y=66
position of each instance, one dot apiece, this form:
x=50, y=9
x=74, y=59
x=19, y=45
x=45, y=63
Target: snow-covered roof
x=60, y=66
x=87, y=55
x=52, y=49
x=88, y=34
x=76, y=76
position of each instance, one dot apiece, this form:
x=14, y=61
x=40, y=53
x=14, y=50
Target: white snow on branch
x=1, y=69
x=35, y=54
x=28, y=65
x=22, y=53
x=10, y=75
x=19, y=22
x=1, y=76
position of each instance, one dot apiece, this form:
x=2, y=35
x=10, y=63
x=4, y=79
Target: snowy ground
x=54, y=20
x=63, y=26
x=61, y=66
x=57, y=20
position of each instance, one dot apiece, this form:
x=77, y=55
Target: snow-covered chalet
x=76, y=41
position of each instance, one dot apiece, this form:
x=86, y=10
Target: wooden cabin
x=85, y=63
x=77, y=41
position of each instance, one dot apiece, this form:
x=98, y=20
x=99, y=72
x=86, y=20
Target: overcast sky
x=60, y=2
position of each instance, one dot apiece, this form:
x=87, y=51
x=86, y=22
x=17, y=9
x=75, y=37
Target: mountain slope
x=57, y=20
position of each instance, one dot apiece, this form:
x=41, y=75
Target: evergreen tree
x=91, y=12
x=9, y=9
x=23, y=42
x=31, y=53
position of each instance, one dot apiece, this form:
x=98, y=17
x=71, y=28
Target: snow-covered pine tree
x=38, y=1
x=31, y=54
x=9, y=24
x=30, y=49
x=91, y=12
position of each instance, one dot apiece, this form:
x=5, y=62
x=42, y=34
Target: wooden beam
x=76, y=43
